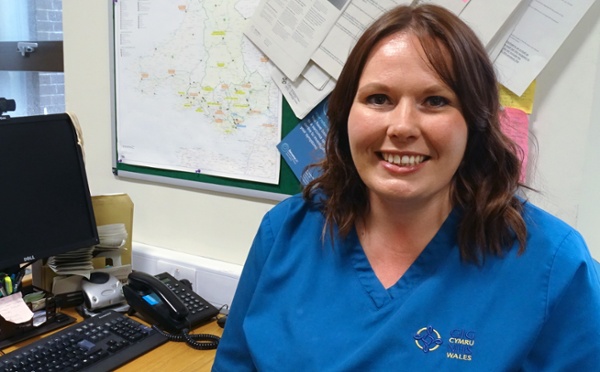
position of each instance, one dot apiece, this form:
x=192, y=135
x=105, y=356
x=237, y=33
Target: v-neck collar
x=424, y=266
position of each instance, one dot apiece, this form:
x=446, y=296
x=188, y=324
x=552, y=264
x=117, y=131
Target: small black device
x=6, y=105
x=222, y=320
x=100, y=343
x=167, y=302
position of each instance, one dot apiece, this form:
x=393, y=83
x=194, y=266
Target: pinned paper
x=523, y=102
x=515, y=124
x=539, y=33
x=13, y=309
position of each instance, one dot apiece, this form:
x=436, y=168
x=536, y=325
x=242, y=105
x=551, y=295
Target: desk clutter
x=58, y=280
x=110, y=335
x=63, y=274
x=29, y=313
x=99, y=284
x=81, y=261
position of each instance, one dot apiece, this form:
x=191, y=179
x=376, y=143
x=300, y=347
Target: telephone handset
x=167, y=302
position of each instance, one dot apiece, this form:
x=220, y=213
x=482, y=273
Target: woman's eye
x=377, y=99
x=436, y=101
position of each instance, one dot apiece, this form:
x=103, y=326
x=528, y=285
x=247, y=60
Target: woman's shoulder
x=552, y=237
x=542, y=224
x=295, y=204
x=288, y=205
x=294, y=209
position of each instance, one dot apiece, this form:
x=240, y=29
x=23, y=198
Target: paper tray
x=9, y=329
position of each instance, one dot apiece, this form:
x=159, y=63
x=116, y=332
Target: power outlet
x=179, y=272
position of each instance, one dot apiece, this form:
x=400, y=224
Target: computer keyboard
x=100, y=343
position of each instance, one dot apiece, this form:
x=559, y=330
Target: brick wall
x=48, y=16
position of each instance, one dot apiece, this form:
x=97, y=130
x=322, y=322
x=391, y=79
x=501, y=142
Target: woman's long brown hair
x=485, y=185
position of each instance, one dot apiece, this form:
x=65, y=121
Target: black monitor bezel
x=38, y=123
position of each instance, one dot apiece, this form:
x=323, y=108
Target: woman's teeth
x=404, y=160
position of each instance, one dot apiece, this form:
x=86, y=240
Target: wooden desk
x=169, y=357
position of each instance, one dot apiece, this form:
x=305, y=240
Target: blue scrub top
x=302, y=304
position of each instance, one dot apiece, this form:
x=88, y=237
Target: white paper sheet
x=301, y=94
x=289, y=32
x=495, y=45
x=493, y=22
x=538, y=35
x=13, y=309
x=332, y=53
x=316, y=75
x=487, y=18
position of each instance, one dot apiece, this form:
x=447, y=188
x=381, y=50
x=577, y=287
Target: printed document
x=487, y=18
x=538, y=35
x=332, y=53
x=289, y=32
x=495, y=45
x=493, y=22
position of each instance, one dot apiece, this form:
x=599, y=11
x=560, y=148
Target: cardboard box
x=116, y=208
x=108, y=209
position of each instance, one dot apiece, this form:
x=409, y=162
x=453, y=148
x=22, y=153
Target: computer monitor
x=45, y=203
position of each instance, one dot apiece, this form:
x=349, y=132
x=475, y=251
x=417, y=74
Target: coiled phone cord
x=202, y=341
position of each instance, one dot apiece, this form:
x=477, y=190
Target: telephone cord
x=202, y=341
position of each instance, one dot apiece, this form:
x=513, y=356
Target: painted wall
x=566, y=122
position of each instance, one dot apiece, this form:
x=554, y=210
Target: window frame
x=47, y=57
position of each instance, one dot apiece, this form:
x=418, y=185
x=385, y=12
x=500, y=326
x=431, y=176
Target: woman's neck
x=393, y=235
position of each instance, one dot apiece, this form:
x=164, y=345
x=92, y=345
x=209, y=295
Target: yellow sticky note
x=524, y=102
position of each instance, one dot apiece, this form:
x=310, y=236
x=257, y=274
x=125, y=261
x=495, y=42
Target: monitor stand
x=60, y=320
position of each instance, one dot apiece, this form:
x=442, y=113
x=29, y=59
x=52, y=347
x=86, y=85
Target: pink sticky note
x=515, y=124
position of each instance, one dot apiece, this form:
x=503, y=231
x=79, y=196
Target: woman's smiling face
x=406, y=130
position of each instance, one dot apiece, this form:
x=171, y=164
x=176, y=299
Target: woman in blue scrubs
x=414, y=249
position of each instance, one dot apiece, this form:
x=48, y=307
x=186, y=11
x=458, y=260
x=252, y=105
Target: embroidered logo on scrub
x=428, y=339
x=459, y=345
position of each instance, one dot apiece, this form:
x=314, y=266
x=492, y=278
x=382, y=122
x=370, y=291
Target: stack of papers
x=309, y=63
x=112, y=237
x=79, y=262
x=309, y=41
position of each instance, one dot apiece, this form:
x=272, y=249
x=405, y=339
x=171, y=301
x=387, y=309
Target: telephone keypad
x=197, y=306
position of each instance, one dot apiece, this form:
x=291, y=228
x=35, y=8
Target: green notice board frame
x=288, y=183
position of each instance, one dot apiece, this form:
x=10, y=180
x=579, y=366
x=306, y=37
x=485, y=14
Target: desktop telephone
x=164, y=301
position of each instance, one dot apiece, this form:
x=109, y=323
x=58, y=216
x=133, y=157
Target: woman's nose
x=403, y=121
